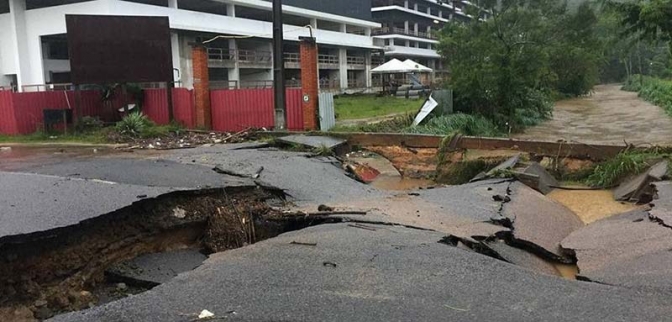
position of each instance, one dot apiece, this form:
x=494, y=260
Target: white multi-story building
x=33, y=39
x=410, y=28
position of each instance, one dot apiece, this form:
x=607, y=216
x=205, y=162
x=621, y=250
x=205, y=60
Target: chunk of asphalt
x=543, y=181
x=662, y=207
x=521, y=257
x=539, y=223
x=153, y=269
x=506, y=165
x=313, y=141
x=639, y=188
x=614, y=242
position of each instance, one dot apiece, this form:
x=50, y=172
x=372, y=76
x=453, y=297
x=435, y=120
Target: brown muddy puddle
x=591, y=205
x=400, y=183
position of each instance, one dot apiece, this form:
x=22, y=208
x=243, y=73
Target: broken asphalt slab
x=390, y=274
x=310, y=181
x=539, y=223
x=628, y=250
x=539, y=179
x=32, y=202
x=662, y=206
x=153, y=269
x=313, y=141
x=145, y=172
x=506, y=165
x=638, y=188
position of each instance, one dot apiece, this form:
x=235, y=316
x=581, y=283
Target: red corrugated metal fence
x=236, y=110
x=27, y=108
x=155, y=106
x=7, y=118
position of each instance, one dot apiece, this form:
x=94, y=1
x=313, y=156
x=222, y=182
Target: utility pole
x=278, y=67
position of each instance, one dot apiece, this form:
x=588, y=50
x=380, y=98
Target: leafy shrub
x=134, y=124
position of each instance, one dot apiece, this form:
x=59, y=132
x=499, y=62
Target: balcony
x=402, y=31
x=328, y=61
x=356, y=62
x=227, y=58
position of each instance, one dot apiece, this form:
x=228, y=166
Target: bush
x=655, y=90
x=465, y=124
x=134, y=124
x=613, y=171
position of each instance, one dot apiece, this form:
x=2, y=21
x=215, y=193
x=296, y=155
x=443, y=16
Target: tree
x=506, y=67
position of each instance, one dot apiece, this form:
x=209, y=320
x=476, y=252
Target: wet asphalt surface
x=384, y=273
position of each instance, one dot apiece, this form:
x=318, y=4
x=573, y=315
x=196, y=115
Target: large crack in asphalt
x=59, y=269
x=531, y=250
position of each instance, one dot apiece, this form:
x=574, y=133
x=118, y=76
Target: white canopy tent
x=394, y=66
x=419, y=67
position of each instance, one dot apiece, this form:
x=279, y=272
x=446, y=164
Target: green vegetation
x=473, y=125
x=654, y=90
x=349, y=107
x=507, y=68
x=624, y=165
x=91, y=131
x=94, y=137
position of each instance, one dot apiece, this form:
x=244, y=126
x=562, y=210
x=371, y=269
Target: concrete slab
x=610, y=242
x=32, y=202
x=154, y=269
x=539, y=222
x=313, y=141
x=390, y=274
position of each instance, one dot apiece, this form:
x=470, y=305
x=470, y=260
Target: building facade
x=409, y=28
x=33, y=39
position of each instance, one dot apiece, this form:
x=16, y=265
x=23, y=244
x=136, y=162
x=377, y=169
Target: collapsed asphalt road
x=398, y=266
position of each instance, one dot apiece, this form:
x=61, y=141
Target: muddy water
x=608, y=116
x=591, y=205
x=400, y=183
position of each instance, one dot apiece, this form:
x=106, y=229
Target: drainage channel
x=135, y=248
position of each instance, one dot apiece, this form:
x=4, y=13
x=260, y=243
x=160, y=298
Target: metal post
x=278, y=67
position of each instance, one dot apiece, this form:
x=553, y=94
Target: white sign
x=427, y=108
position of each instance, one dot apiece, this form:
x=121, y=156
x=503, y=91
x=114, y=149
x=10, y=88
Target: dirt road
x=608, y=116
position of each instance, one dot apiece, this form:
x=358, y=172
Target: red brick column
x=309, y=82
x=199, y=55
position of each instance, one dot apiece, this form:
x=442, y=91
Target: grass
x=93, y=137
x=350, y=107
x=624, y=165
x=465, y=124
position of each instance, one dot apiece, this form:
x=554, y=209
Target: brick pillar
x=309, y=83
x=201, y=87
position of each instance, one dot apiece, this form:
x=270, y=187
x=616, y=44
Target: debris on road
x=205, y=314
x=182, y=139
x=362, y=172
x=639, y=189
